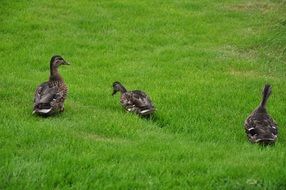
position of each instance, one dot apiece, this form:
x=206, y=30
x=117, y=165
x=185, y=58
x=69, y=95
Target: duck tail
x=146, y=111
x=265, y=95
x=42, y=109
x=266, y=139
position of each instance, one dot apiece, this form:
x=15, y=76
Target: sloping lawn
x=203, y=63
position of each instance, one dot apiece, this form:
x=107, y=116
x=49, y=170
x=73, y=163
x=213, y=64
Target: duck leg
x=62, y=108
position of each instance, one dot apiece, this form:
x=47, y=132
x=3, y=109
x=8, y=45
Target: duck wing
x=140, y=99
x=44, y=96
x=138, y=102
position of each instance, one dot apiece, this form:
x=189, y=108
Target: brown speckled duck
x=259, y=126
x=50, y=95
x=134, y=101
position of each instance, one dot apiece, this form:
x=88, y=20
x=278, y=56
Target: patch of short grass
x=203, y=63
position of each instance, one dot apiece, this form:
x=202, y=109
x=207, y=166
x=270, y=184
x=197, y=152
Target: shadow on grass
x=157, y=119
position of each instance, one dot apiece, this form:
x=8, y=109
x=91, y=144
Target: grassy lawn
x=204, y=64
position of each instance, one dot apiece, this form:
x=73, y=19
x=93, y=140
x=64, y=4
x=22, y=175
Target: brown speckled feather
x=50, y=95
x=135, y=101
x=259, y=126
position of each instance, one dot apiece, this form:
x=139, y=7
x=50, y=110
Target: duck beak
x=114, y=92
x=66, y=63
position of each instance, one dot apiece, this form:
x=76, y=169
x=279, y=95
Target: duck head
x=57, y=60
x=117, y=86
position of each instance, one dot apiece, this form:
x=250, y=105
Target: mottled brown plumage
x=134, y=101
x=50, y=95
x=259, y=126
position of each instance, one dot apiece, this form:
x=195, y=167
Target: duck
x=50, y=95
x=259, y=126
x=135, y=101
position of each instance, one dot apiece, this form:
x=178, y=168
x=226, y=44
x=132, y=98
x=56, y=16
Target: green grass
x=203, y=63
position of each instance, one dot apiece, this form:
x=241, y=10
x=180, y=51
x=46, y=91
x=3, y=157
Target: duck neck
x=265, y=95
x=122, y=89
x=54, y=75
